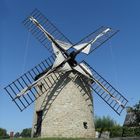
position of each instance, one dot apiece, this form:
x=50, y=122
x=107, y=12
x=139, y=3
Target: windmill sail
x=59, y=61
x=31, y=85
x=95, y=39
x=19, y=86
x=107, y=92
x=48, y=26
x=84, y=70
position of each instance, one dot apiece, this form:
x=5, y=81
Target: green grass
x=51, y=139
x=124, y=138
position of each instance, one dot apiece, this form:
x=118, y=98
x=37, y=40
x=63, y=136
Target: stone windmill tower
x=65, y=110
x=61, y=86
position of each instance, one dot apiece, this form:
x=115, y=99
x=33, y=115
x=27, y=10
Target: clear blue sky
x=117, y=60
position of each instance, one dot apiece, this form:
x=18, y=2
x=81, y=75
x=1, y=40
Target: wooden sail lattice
x=113, y=97
x=47, y=25
x=28, y=78
x=100, y=86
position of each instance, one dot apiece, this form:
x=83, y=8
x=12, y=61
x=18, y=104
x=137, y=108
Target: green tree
x=116, y=131
x=104, y=122
x=26, y=132
x=17, y=134
x=136, y=110
x=133, y=116
x=3, y=132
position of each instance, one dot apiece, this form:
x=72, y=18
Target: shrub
x=116, y=131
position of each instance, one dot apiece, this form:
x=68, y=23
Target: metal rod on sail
x=98, y=83
x=92, y=41
x=48, y=35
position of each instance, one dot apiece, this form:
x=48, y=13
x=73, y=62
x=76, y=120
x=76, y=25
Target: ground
x=124, y=138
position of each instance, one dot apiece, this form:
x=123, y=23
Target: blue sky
x=117, y=60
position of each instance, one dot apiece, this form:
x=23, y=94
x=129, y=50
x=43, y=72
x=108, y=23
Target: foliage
x=54, y=138
x=136, y=110
x=108, y=124
x=26, y=132
x=131, y=131
x=104, y=123
x=17, y=134
x=116, y=131
x=137, y=131
x=3, y=133
x=134, y=113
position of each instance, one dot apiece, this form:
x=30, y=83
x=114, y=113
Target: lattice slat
x=28, y=78
x=100, y=39
x=47, y=25
x=113, y=98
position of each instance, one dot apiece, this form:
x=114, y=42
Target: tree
x=3, y=132
x=133, y=116
x=104, y=123
x=17, y=134
x=26, y=132
x=107, y=124
x=136, y=110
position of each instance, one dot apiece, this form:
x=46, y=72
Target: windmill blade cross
x=31, y=85
x=107, y=92
x=47, y=25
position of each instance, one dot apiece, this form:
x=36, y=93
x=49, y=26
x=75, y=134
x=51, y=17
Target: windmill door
x=39, y=122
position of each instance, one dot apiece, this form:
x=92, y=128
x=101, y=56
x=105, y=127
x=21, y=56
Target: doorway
x=39, y=122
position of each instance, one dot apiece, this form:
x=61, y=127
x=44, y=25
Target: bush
x=108, y=124
x=104, y=123
x=137, y=131
x=3, y=134
x=116, y=131
x=131, y=131
x=26, y=132
x=17, y=134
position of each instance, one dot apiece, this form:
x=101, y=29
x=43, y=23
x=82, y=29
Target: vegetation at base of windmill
x=128, y=138
x=131, y=131
x=136, y=110
x=54, y=139
x=108, y=124
x=133, y=119
x=137, y=131
x=116, y=131
x=105, y=123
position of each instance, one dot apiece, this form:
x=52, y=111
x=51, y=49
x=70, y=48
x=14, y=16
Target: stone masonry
x=67, y=109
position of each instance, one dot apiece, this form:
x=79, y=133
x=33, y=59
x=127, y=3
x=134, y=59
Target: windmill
x=61, y=86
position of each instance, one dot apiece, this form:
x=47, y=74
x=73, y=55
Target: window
x=85, y=125
x=40, y=87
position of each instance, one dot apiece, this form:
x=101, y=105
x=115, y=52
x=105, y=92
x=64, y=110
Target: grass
x=129, y=138
x=54, y=139
x=126, y=138
x=50, y=139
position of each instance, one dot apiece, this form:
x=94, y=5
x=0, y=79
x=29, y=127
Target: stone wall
x=68, y=109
